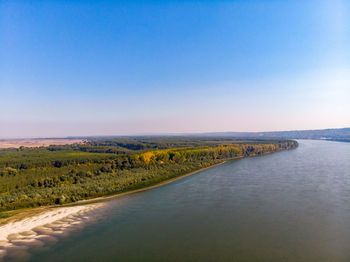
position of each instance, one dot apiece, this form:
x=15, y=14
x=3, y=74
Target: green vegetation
x=32, y=177
x=4, y=215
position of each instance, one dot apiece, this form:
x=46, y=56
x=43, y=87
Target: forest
x=334, y=134
x=60, y=174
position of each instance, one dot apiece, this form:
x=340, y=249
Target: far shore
x=37, y=142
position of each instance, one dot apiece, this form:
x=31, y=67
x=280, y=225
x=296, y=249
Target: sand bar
x=36, y=230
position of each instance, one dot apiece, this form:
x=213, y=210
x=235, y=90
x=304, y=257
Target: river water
x=288, y=206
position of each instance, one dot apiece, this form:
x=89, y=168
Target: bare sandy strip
x=19, y=235
x=16, y=143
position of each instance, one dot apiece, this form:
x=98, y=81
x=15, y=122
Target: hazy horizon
x=119, y=68
x=160, y=134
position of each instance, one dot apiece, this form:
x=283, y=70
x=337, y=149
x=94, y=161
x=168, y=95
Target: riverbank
x=243, y=210
x=18, y=215
x=30, y=227
x=21, y=214
x=165, y=182
x=66, y=174
x=34, y=226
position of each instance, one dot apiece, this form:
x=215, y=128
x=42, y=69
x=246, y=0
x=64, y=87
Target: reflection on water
x=288, y=206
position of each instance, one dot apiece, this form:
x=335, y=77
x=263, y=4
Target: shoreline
x=36, y=226
x=35, y=230
x=10, y=215
x=33, y=227
x=29, y=212
x=22, y=213
x=163, y=183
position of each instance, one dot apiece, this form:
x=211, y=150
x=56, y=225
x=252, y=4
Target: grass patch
x=5, y=214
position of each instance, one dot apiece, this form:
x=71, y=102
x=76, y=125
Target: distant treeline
x=335, y=134
x=31, y=177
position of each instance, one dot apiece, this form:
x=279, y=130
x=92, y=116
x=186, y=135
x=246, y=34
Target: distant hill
x=338, y=134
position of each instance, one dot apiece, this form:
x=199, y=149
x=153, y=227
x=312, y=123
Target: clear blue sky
x=135, y=67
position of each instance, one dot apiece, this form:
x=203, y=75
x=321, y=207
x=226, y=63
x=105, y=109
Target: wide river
x=288, y=206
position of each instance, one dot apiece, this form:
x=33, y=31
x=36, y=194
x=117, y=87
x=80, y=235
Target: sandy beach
x=17, y=236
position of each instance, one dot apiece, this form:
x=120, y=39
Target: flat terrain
x=60, y=174
x=16, y=143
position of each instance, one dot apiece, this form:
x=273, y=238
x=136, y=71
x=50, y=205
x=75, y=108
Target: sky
x=85, y=68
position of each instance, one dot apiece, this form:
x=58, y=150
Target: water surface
x=288, y=206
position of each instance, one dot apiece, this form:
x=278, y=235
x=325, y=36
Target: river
x=288, y=206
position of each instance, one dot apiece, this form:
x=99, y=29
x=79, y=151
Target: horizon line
x=166, y=134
